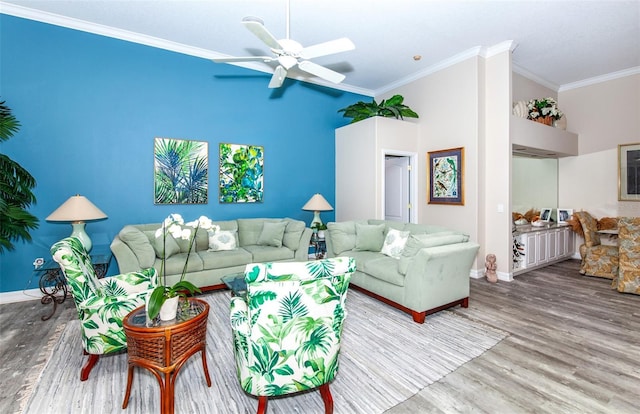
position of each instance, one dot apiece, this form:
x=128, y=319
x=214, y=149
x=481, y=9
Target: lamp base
x=78, y=231
x=316, y=219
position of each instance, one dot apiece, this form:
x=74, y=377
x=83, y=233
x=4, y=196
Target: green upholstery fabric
x=343, y=236
x=101, y=313
x=138, y=242
x=293, y=233
x=628, y=278
x=272, y=234
x=369, y=237
x=597, y=259
x=164, y=247
x=287, y=330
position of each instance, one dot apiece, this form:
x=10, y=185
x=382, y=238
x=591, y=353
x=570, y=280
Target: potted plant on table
x=164, y=299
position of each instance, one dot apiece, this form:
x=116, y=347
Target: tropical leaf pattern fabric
x=597, y=259
x=102, y=304
x=287, y=330
x=628, y=279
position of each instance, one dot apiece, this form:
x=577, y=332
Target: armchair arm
x=302, y=253
x=439, y=275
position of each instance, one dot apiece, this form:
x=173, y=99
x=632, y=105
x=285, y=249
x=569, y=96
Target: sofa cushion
x=272, y=234
x=420, y=241
x=227, y=225
x=249, y=230
x=415, y=228
x=175, y=264
x=388, y=224
x=269, y=253
x=394, y=243
x=222, y=240
x=369, y=237
x=293, y=233
x=163, y=248
x=384, y=268
x=343, y=236
x=225, y=258
x=138, y=242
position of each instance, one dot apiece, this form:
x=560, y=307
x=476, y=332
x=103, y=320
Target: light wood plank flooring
x=573, y=347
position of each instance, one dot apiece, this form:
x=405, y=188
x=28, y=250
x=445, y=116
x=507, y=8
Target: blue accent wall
x=90, y=107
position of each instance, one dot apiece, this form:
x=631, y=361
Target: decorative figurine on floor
x=491, y=266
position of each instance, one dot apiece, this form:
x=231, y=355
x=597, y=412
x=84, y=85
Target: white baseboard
x=20, y=296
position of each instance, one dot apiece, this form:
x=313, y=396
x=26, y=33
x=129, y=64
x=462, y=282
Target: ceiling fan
x=289, y=53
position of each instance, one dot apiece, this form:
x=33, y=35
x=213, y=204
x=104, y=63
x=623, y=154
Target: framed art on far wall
x=564, y=214
x=180, y=171
x=629, y=172
x=446, y=170
x=241, y=173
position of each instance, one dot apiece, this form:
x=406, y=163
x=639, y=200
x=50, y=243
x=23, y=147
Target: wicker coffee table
x=163, y=347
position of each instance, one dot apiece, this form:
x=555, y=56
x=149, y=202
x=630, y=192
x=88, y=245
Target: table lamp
x=317, y=203
x=77, y=210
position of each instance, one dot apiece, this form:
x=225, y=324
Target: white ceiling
x=560, y=44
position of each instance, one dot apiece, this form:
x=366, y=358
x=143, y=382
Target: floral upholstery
x=628, y=279
x=102, y=304
x=287, y=330
x=597, y=259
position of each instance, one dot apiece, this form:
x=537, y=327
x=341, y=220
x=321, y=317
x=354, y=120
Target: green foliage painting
x=241, y=173
x=181, y=171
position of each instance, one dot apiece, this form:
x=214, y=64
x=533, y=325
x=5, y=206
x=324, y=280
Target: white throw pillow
x=394, y=243
x=222, y=240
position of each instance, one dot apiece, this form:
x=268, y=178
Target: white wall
x=534, y=184
x=605, y=115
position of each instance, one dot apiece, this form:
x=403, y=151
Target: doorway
x=397, y=187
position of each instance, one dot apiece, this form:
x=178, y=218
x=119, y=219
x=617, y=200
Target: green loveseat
x=419, y=269
x=237, y=243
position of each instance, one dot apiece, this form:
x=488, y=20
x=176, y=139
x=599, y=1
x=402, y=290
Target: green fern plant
x=15, y=190
x=390, y=108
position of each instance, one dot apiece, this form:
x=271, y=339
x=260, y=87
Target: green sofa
x=419, y=269
x=237, y=243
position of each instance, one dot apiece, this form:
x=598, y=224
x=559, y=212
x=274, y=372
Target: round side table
x=162, y=347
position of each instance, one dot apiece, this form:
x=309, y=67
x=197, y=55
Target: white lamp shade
x=77, y=208
x=317, y=203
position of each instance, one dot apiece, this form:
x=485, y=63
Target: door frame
x=413, y=182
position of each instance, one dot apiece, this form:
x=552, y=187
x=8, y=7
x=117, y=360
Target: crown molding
x=599, y=79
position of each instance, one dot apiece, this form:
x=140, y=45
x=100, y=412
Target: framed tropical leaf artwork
x=445, y=176
x=180, y=171
x=241, y=173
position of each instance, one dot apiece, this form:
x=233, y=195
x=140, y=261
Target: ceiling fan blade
x=321, y=71
x=256, y=26
x=327, y=48
x=278, y=77
x=231, y=59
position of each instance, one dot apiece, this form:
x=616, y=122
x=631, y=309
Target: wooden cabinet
x=541, y=247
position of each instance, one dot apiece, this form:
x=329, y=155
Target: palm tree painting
x=241, y=173
x=181, y=171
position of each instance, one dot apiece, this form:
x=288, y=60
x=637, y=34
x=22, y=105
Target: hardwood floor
x=573, y=347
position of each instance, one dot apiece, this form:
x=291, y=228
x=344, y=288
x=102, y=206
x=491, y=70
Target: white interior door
x=397, y=203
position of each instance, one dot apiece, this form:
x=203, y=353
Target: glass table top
x=187, y=309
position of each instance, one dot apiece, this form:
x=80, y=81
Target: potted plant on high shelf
x=390, y=108
x=544, y=111
x=164, y=299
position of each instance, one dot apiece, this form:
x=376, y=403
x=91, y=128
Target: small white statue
x=491, y=266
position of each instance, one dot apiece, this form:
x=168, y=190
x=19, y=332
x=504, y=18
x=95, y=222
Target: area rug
x=386, y=358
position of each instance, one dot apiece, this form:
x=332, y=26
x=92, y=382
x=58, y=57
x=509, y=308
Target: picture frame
x=446, y=172
x=180, y=171
x=545, y=214
x=241, y=173
x=564, y=214
x=629, y=172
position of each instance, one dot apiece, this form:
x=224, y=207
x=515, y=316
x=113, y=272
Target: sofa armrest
x=439, y=275
x=125, y=257
x=302, y=252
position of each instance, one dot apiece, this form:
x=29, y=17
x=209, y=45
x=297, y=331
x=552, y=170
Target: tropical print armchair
x=287, y=330
x=597, y=259
x=102, y=304
x=628, y=279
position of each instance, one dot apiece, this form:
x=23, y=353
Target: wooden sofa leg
x=86, y=369
x=465, y=302
x=419, y=316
